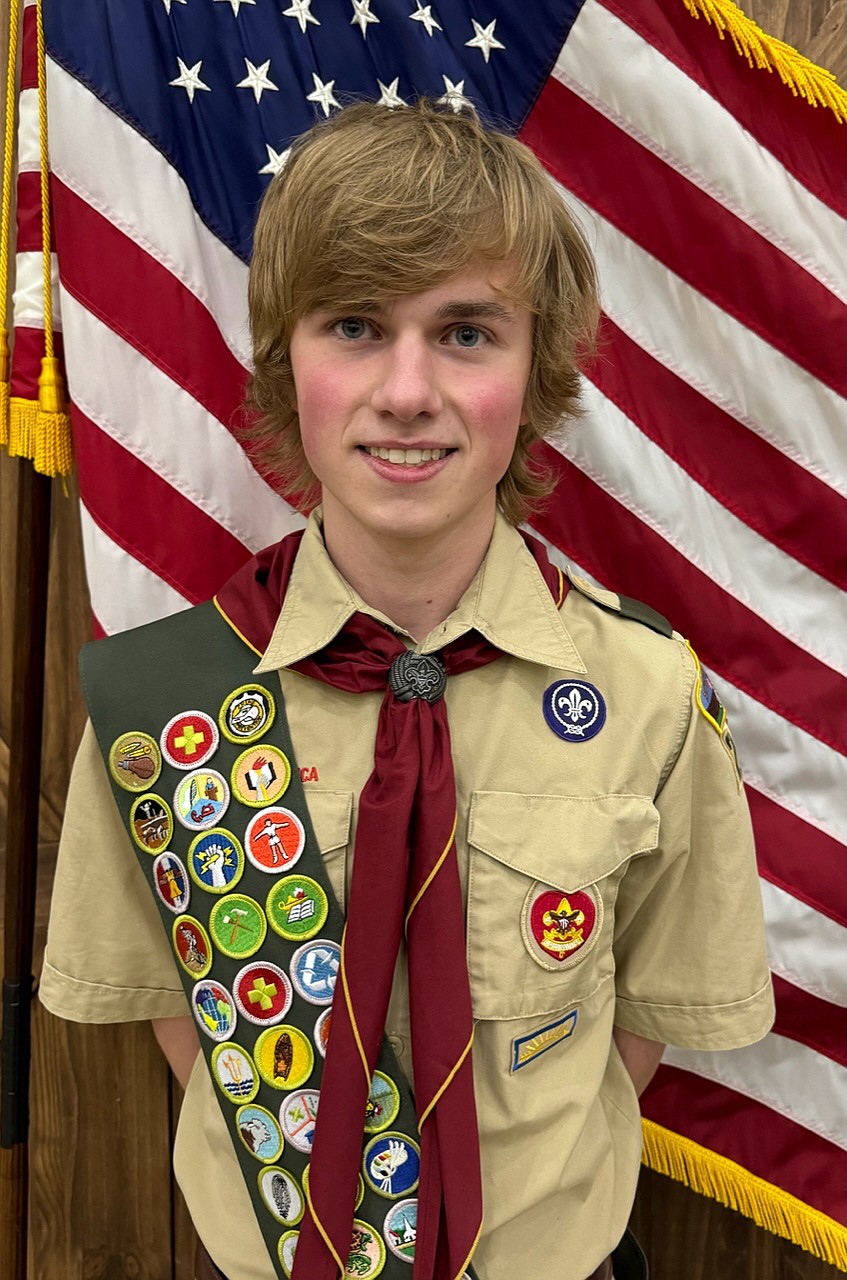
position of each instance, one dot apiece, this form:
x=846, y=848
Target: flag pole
x=27, y=703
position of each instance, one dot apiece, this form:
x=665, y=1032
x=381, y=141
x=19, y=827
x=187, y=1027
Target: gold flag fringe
x=4, y=387
x=765, y=53
x=730, y=1184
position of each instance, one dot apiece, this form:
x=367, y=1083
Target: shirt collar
x=508, y=602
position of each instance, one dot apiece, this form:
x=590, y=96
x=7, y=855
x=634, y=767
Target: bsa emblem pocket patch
x=558, y=929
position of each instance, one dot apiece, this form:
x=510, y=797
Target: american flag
x=707, y=478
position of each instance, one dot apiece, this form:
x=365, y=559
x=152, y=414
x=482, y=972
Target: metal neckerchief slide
x=202, y=768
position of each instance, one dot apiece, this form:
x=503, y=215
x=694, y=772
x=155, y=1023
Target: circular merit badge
x=574, y=710
x=383, y=1104
x=234, y=1072
x=247, y=713
x=367, y=1252
x=560, y=929
x=284, y=1057
x=281, y=1192
x=259, y=1132
x=261, y=775
x=274, y=840
x=238, y=925
x=189, y=739
x=151, y=823
x=401, y=1229
x=320, y=1035
x=170, y=881
x=192, y=946
x=314, y=969
x=298, y=1115
x=286, y=1250
x=215, y=860
x=201, y=798
x=135, y=761
x=297, y=907
x=214, y=1009
x=263, y=993
x=392, y=1164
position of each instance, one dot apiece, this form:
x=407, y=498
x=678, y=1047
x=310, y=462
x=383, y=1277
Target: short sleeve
x=690, y=953
x=108, y=958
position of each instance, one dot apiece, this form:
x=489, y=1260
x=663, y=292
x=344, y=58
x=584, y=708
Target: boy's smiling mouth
x=412, y=457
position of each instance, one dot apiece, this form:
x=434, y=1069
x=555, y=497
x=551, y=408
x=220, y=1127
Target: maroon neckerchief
x=405, y=844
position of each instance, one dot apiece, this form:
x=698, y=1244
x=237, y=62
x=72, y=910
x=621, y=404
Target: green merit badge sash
x=202, y=768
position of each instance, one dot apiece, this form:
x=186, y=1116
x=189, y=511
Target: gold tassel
x=23, y=415
x=4, y=387
x=764, y=52
x=730, y=1184
x=52, y=455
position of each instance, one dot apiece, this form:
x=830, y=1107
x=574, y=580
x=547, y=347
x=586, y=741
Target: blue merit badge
x=574, y=710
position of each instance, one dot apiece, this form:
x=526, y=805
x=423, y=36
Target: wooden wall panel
x=103, y=1204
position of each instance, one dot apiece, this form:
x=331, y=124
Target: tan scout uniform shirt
x=648, y=812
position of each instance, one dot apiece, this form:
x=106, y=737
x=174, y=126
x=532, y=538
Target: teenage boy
x=535, y=866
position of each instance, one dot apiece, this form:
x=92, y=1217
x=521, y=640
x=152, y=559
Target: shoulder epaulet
x=625, y=606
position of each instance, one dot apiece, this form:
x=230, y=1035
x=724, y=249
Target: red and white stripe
x=707, y=478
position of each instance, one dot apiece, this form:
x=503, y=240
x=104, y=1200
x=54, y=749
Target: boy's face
x=442, y=370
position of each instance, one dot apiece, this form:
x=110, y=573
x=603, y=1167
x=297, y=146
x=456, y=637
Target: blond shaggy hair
x=377, y=202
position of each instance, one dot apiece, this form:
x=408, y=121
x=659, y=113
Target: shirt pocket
x=543, y=877
x=331, y=813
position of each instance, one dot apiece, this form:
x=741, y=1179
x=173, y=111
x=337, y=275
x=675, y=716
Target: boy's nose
x=406, y=384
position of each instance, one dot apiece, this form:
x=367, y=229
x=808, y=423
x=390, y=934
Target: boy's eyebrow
x=477, y=310
x=474, y=309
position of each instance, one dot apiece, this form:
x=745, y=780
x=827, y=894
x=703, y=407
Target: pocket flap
x=564, y=841
x=330, y=812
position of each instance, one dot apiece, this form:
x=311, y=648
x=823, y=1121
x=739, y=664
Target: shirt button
x=397, y=1044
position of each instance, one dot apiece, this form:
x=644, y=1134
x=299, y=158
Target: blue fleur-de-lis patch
x=574, y=710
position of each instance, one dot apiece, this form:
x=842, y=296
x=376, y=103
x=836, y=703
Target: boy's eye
x=466, y=335
x=351, y=326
